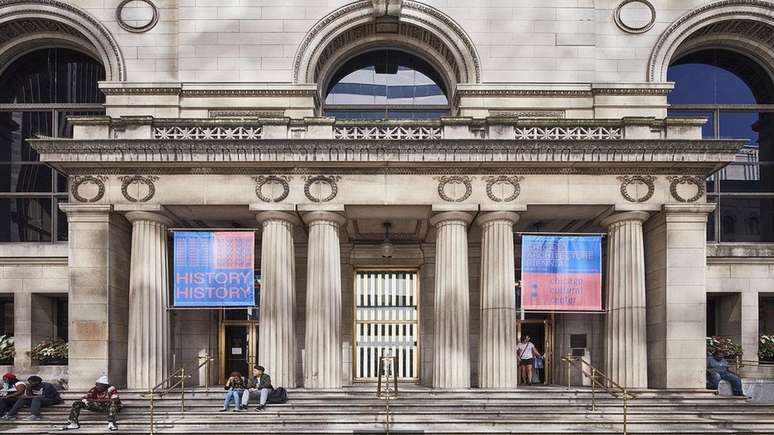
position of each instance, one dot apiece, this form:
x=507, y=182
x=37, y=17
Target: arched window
x=735, y=94
x=38, y=91
x=386, y=84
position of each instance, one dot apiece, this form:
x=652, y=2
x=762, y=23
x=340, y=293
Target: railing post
x=182, y=390
x=569, y=368
x=207, y=371
x=625, y=404
x=152, y=429
x=593, y=389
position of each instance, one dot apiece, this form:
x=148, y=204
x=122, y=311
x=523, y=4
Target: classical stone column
x=497, y=368
x=451, y=353
x=276, y=334
x=149, y=331
x=322, y=346
x=625, y=327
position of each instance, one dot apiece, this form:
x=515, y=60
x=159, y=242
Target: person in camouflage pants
x=103, y=397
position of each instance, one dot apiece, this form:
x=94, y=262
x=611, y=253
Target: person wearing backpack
x=259, y=388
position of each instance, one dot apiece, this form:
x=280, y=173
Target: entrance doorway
x=541, y=333
x=386, y=322
x=238, y=342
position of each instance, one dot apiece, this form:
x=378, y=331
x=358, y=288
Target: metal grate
x=386, y=322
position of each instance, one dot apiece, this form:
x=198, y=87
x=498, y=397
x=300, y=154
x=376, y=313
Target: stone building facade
x=549, y=116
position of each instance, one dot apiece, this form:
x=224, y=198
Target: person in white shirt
x=526, y=352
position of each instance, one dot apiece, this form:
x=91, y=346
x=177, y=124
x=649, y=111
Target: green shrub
x=52, y=349
x=7, y=348
x=731, y=349
x=766, y=348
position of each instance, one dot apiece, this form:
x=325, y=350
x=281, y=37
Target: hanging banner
x=214, y=269
x=561, y=273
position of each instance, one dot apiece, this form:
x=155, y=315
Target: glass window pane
x=25, y=177
x=61, y=222
x=746, y=219
x=707, y=130
x=711, y=222
x=16, y=128
x=52, y=75
x=61, y=183
x=25, y=219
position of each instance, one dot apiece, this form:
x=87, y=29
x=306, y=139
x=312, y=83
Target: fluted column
x=276, y=335
x=625, y=327
x=451, y=354
x=497, y=368
x=148, y=345
x=322, y=346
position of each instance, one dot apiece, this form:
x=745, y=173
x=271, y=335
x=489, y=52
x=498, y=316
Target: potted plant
x=50, y=352
x=766, y=348
x=731, y=349
x=7, y=350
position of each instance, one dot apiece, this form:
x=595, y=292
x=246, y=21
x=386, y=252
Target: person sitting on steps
x=13, y=389
x=259, y=387
x=717, y=370
x=235, y=385
x=102, y=397
x=37, y=395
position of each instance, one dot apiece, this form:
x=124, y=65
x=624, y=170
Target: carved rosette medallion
x=675, y=186
x=88, y=188
x=272, y=188
x=630, y=190
x=448, y=187
x=503, y=188
x=138, y=188
x=321, y=188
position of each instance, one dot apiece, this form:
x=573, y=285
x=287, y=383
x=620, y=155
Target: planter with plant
x=766, y=348
x=730, y=348
x=7, y=350
x=50, y=352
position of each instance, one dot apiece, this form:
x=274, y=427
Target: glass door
x=541, y=334
x=238, y=344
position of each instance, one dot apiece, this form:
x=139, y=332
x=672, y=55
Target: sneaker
x=7, y=417
x=33, y=417
x=260, y=407
x=112, y=426
x=223, y=410
x=71, y=425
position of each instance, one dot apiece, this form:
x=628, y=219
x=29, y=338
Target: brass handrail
x=610, y=386
x=158, y=391
x=390, y=391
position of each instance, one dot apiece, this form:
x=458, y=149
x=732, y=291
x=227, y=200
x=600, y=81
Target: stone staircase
x=356, y=410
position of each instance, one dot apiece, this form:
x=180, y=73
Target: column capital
x=640, y=216
x=86, y=212
x=461, y=216
x=324, y=216
x=508, y=216
x=267, y=216
x=689, y=208
x=134, y=216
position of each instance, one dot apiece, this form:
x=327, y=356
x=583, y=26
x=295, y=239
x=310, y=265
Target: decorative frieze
x=697, y=182
x=266, y=188
x=79, y=185
x=208, y=133
x=569, y=132
x=634, y=180
x=503, y=188
x=387, y=132
x=447, y=190
x=143, y=182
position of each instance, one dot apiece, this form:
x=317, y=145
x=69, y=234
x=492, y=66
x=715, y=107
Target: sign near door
x=214, y=268
x=561, y=273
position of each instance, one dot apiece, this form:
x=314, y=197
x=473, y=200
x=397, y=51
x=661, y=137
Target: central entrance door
x=541, y=333
x=238, y=342
x=386, y=322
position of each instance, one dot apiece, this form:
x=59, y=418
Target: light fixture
x=386, y=246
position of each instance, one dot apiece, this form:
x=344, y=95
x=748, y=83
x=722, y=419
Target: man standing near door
x=526, y=352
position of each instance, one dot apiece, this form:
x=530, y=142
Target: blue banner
x=214, y=269
x=561, y=272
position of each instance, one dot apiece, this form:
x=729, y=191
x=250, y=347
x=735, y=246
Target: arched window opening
x=735, y=94
x=38, y=91
x=386, y=84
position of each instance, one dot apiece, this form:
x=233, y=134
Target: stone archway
x=30, y=24
x=746, y=26
x=418, y=28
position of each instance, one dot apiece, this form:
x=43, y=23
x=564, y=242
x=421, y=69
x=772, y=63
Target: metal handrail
x=159, y=390
x=390, y=390
x=609, y=386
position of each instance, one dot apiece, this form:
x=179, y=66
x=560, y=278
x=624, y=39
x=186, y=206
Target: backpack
x=277, y=395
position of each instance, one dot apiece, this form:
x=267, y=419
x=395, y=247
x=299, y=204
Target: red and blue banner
x=561, y=273
x=214, y=269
